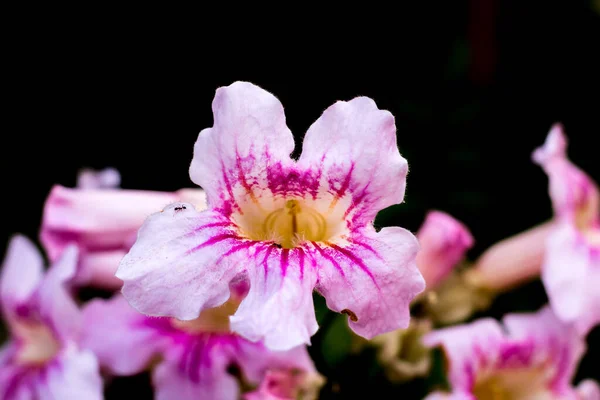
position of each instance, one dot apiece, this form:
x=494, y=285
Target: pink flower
x=530, y=356
x=43, y=360
x=571, y=268
x=194, y=356
x=102, y=221
x=444, y=242
x=287, y=385
x=286, y=226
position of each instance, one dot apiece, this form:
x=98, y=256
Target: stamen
x=293, y=224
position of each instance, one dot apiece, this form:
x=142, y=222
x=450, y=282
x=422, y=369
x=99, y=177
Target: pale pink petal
x=120, y=336
x=12, y=376
x=588, y=390
x=512, y=261
x=182, y=262
x=551, y=337
x=468, y=349
x=255, y=360
x=74, y=375
x=574, y=194
x=21, y=273
x=102, y=219
x=444, y=242
x=199, y=372
x=249, y=137
x=99, y=268
x=372, y=279
x=554, y=147
x=56, y=304
x=92, y=179
x=279, y=307
x=353, y=146
x=571, y=276
x=281, y=384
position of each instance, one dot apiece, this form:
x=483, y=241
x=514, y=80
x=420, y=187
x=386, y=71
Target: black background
x=474, y=87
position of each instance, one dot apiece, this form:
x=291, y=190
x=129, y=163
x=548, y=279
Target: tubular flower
x=43, y=360
x=102, y=220
x=532, y=356
x=191, y=358
x=571, y=267
x=444, y=242
x=285, y=226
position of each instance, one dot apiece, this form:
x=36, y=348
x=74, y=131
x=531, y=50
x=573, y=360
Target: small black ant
x=180, y=208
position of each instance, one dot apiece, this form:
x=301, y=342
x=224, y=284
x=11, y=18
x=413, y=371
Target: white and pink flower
x=190, y=358
x=286, y=226
x=529, y=356
x=102, y=220
x=571, y=267
x=43, y=360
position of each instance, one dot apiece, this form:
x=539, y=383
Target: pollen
x=294, y=222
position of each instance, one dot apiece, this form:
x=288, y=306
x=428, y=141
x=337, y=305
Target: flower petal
x=99, y=268
x=74, y=375
x=468, y=349
x=513, y=260
x=279, y=307
x=550, y=336
x=119, y=336
x=21, y=273
x=12, y=376
x=588, y=390
x=195, y=373
x=249, y=136
x=574, y=194
x=373, y=279
x=444, y=242
x=182, y=262
x=571, y=276
x=96, y=219
x=56, y=305
x=353, y=145
x=255, y=360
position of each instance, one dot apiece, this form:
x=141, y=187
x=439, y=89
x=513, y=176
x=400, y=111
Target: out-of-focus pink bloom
x=571, y=268
x=102, y=221
x=531, y=356
x=512, y=261
x=91, y=179
x=43, y=360
x=286, y=226
x=194, y=355
x=576, y=200
x=444, y=242
x=287, y=385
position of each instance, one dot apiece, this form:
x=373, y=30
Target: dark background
x=474, y=87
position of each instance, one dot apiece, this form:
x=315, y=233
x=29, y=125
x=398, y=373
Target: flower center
x=515, y=384
x=215, y=320
x=38, y=344
x=289, y=222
